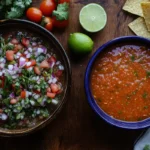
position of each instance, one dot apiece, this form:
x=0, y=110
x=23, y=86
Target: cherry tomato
x=47, y=22
x=34, y=14
x=63, y=1
x=60, y=24
x=47, y=7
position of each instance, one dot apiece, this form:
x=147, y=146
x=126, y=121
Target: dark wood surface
x=77, y=127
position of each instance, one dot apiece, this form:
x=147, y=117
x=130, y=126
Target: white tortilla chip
x=134, y=7
x=146, y=13
x=138, y=26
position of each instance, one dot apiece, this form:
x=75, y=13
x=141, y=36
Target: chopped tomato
x=10, y=55
x=30, y=63
x=23, y=94
x=14, y=41
x=54, y=88
x=44, y=64
x=52, y=59
x=58, y=73
x=51, y=95
x=18, y=47
x=25, y=42
x=49, y=89
x=37, y=70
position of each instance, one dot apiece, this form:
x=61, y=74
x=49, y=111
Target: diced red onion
x=26, y=52
x=54, y=101
x=50, y=81
x=10, y=67
x=61, y=67
x=22, y=62
x=32, y=102
x=12, y=95
x=2, y=60
x=3, y=117
x=36, y=96
x=48, y=55
x=30, y=69
x=15, y=76
x=34, y=43
x=28, y=64
x=28, y=55
x=18, y=54
x=30, y=49
x=54, y=80
x=58, y=62
x=2, y=65
x=10, y=72
x=52, y=64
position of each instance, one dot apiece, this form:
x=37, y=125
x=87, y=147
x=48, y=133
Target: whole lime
x=80, y=43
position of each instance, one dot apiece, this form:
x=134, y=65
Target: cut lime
x=93, y=17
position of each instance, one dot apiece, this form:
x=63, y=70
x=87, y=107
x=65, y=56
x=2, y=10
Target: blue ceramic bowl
x=118, y=123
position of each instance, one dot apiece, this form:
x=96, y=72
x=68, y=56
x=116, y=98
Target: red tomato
x=23, y=94
x=10, y=55
x=34, y=14
x=44, y=64
x=47, y=7
x=63, y=1
x=47, y=22
x=25, y=42
x=37, y=70
x=60, y=24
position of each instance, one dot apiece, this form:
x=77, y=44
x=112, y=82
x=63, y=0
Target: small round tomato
x=34, y=14
x=47, y=23
x=59, y=23
x=63, y=1
x=47, y=7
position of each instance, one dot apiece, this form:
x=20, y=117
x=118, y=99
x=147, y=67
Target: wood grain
x=77, y=127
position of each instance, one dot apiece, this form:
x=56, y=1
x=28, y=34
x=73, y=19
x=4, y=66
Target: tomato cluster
x=44, y=15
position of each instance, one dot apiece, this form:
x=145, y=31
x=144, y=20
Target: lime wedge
x=93, y=17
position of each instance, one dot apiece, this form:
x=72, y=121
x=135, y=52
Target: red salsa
x=120, y=82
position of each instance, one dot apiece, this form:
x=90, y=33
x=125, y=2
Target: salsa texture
x=30, y=79
x=120, y=82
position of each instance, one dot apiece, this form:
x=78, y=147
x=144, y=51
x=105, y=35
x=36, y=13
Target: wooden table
x=77, y=127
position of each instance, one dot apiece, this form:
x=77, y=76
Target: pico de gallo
x=30, y=79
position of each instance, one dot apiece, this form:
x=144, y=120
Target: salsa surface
x=120, y=82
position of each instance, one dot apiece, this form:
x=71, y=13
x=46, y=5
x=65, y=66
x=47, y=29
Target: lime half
x=93, y=17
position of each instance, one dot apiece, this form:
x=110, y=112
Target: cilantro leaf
x=62, y=12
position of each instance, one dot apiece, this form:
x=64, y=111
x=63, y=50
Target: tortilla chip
x=134, y=7
x=146, y=13
x=138, y=26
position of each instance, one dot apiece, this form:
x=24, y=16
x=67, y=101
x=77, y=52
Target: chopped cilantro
x=147, y=74
x=145, y=94
x=132, y=58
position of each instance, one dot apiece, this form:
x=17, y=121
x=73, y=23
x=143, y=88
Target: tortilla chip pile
x=140, y=26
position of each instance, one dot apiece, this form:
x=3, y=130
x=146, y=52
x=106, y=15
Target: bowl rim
x=26, y=131
x=115, y=122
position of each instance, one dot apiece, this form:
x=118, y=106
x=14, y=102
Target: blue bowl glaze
x=135, y=40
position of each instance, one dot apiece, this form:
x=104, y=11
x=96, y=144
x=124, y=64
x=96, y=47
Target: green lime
x=80, y=43
x=93, y=17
